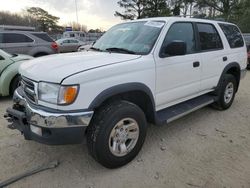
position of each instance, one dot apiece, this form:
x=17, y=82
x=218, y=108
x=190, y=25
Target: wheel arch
x=6, y=78
x=137, y=93
x=233, y=69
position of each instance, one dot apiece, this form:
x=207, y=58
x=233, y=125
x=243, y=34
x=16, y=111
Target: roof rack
x=16, y=28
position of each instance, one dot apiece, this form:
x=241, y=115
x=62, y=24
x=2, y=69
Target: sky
x=92, y=13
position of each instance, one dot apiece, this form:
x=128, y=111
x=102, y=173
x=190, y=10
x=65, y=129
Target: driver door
x=178, y=77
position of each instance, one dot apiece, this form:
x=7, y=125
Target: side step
x=179, y=110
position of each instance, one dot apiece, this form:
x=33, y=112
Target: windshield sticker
x=154, y=24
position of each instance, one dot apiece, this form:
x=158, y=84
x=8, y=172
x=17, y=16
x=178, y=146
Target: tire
x=225, y=101
x=99, y=135
x=15, y=83
x=248, y=66
x=41, y=54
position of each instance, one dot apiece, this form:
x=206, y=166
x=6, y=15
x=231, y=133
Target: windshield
x=135, y=37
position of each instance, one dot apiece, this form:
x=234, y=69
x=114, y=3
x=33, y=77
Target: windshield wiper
x=120, y=50
x=96, y=49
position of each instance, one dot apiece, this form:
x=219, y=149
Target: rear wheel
x=41, y=54
x=226, y=92
x=117, y=133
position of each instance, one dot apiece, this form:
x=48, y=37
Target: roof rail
x=16, y=28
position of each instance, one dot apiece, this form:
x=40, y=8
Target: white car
x=86, y=47
x=150, y=70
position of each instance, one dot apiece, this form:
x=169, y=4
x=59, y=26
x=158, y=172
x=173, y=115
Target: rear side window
x=43, y=36
x=73, y=41
x=15, y=38
x=233, y=35
x=209, y=37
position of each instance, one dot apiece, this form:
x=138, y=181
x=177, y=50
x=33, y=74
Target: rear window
x=43, y=36
x=233, y=35
x=209, y=37
x=15, y=38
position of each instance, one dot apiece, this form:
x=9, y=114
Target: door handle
x=196, y=64
x=225, y=58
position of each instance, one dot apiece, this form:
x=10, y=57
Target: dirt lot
x=206, y=149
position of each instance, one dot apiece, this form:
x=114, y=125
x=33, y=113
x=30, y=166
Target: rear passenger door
x=212, y=53
x=178, y=77
x=17, y=43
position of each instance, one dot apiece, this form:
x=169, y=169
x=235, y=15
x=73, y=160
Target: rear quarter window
x=15, y=38
x=233, y=35
x=43, y=36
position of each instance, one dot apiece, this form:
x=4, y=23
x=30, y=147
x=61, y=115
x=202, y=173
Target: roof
x=176, y=18
x=16, y=28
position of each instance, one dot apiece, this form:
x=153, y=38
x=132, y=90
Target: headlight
x=57, y=94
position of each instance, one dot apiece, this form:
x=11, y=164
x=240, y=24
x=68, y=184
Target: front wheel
x=15, y=83
x=226, y=92
x=117, y=133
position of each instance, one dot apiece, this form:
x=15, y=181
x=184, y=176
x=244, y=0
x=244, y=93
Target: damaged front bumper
x=46, y=125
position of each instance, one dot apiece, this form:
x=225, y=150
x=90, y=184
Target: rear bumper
x=45, y=126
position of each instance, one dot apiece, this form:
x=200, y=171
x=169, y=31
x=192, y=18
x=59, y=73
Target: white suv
x=150, y=70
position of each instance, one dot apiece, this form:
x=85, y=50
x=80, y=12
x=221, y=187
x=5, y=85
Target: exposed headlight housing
x=57, y=94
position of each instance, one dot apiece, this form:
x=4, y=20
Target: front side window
x=233, y=35
x=15, y=38
x=209, y=37
x=134, y=37
x=181, y=32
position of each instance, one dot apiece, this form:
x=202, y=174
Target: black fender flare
x=119, y=89
x=226, y=69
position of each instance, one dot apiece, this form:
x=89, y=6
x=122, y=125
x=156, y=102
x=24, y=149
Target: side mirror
x=175, y=48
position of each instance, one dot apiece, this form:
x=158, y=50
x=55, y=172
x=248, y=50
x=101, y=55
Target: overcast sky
x=92, y=13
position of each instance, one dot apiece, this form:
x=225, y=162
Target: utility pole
x=77, y=21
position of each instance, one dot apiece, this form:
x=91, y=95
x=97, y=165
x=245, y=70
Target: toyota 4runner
x=149, y=70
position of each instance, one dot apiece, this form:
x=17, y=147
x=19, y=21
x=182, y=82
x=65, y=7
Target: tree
x=224, y=7
x=46, y=21
x=76, y=26
x=95, y=31
x=133, y=9
x=155, y=8
x=7, y=18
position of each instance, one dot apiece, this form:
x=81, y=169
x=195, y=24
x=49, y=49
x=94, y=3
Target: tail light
x=54, y=46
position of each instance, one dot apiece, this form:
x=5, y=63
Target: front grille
x=29, y=89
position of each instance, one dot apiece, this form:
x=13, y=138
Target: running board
x=179, y=110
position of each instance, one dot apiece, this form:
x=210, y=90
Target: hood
x=55, y=68
x=21, y=57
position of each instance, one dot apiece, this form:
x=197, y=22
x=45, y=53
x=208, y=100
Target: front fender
x=7, y=76
x=119, y=89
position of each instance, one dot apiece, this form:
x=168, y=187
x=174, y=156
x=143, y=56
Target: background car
x=9, y=78
x=69, y=45
x=85, y=47
x=32, y=43
x=247, y=40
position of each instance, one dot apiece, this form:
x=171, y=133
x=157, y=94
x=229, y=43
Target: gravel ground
x=206, y=149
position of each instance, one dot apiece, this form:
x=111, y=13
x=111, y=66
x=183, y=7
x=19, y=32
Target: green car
x=9, y=77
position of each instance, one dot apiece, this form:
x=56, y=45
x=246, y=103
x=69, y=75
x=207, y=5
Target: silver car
x=69, y=45
x=27, y=42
